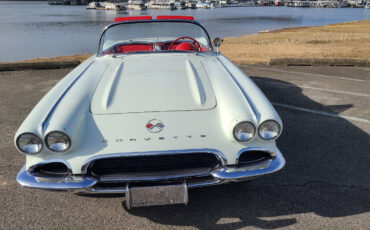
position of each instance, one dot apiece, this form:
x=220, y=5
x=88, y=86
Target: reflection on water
x=35, y=29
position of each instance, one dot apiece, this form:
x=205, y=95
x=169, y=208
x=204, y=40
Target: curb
x=319, y=62
x=16, y=66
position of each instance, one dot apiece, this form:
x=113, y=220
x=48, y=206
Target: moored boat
x=136, y=5
x=114, y=6
x=93, y=5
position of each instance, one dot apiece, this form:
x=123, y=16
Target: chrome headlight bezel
x=238, y=126
x=63, y=136
x=276, y=125
x=34, y=136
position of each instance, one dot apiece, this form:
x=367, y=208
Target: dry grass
x=344, y=40
x=80, y=57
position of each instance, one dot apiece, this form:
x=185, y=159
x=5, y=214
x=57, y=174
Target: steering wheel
x=195, y=42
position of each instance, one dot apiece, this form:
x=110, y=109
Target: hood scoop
x=153, y=84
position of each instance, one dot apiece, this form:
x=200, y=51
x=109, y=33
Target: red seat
x=133, y=48
x=186, y=46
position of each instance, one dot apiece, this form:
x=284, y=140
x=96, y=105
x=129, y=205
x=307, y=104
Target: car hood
x=153, y=83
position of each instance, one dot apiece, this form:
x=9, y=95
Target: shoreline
x=345, y=43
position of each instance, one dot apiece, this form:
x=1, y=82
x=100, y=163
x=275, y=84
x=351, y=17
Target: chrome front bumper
x=84, y=184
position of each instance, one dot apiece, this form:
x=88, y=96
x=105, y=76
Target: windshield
x=156, y=36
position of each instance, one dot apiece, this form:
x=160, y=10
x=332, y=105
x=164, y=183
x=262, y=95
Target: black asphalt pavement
x=324, y=185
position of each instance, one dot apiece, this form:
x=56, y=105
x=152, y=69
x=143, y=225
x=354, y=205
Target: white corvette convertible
x=156, y=111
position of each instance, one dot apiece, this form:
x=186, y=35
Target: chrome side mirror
x=217, y=43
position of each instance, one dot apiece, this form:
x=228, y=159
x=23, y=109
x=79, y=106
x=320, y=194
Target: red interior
x=133, y=18
x=191, y=18
x=185, y=46
x=133, y=48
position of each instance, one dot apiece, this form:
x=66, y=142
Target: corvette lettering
x=119, y=140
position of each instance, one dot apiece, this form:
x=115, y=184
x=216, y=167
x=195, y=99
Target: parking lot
x=324, y=185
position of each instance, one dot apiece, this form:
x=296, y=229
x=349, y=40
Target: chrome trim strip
x=249, y=101
x=273, y=154
x=151, y=21
x=156, y=176
x=219, y=154
x=127, y=196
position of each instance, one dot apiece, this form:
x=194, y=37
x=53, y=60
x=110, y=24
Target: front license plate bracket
x=139, y=196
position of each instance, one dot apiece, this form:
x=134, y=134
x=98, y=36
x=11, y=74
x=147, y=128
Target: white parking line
x=320, y=89
x=314, y=75
x=336, y=91
x=321, y=113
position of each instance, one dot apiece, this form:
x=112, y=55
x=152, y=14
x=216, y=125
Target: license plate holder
x=139, y=196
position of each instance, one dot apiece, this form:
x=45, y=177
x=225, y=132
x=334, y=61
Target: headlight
x=29, y=143
x=269, y=130
x=57, y=141
x=244, y=131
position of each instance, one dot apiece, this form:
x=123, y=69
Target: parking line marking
x=311, y=74
x=315, y=88
x=321, y=113
x=336, y=91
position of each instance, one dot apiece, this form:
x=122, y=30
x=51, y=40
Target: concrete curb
x=319, y=62
x=15, y=66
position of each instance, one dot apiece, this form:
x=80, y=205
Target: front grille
x=153, y=163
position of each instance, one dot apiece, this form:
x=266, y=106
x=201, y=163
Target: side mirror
x=217, y=43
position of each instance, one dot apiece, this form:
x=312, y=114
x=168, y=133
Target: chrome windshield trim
x=272, y=153
x=153, y=21
x=219, y=154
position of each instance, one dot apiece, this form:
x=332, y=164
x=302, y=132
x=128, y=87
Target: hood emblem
x=154, y=126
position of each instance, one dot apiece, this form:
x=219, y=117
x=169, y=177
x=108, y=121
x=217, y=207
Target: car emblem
x=154, y=126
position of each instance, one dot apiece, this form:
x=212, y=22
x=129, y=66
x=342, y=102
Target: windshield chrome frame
x=153, y=21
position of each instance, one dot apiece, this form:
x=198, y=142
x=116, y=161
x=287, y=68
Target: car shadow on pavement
x=327, y=174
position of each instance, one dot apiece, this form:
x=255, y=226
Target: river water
x=35, y=29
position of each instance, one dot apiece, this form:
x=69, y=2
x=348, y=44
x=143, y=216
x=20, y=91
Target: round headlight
x=29, y=143
x=57, y=141
x=269, y=130
x=244, y=131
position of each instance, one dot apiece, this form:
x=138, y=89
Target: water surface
x=35, y=29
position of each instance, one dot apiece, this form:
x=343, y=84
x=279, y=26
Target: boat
x=161, y=4
x=113, y=6
x=93, y=5
x=203, y=5
x=191, y=5
x=180, y=5
x=55, y=2
x=367, y=6
x=136, y=5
